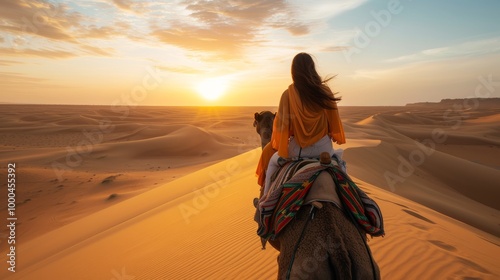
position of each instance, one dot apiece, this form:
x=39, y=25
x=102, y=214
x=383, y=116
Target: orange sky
x=163, y=52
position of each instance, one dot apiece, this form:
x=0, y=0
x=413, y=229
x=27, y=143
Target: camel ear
x=257, y=116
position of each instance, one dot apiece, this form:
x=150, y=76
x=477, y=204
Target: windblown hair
x=313, y=90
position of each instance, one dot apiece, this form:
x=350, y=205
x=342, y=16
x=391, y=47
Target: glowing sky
x=133, y=52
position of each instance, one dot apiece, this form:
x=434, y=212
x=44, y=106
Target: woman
x=307, y=120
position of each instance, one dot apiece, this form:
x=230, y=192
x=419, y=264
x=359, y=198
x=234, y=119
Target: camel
x=263, y=123
x=321, y=242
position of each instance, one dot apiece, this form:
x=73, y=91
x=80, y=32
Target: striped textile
x=291, y=185
x=364, y=210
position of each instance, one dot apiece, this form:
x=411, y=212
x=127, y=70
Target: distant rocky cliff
x=465, y=102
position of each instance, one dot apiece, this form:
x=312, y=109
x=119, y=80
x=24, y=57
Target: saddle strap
x=310, y=217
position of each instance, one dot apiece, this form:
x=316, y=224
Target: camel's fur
x=263, y=123
x=331, y=247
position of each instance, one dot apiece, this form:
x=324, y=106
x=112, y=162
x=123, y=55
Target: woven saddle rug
x=291, y=185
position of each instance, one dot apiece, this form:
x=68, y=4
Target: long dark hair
x=313, y=90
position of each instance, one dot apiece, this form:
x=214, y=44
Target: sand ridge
x=183, y=228
x=165, y=192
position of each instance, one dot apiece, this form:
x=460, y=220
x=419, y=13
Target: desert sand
x=166, y=192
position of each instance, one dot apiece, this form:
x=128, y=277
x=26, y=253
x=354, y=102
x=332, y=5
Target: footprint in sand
x=443, y=245
x=416, y=215
x=473, y=265
x=398, y=204
x=419, y=226
x=112, y=196
x=110, y=179
x=464, y=261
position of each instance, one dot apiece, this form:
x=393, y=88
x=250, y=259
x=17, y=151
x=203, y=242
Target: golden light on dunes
x=213, y=88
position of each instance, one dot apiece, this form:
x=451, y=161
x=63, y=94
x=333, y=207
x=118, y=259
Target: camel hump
x=325, y=158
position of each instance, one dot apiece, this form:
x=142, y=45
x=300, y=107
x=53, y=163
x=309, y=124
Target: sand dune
x=449, y=164
x=188, y=141
x=198, y=227
x=165, y=193
x=64, y=153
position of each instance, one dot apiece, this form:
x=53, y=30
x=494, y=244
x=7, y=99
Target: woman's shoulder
x=285, y=93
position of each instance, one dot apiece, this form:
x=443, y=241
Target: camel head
x=263, y=123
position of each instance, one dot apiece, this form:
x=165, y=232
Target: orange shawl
x=306, y=126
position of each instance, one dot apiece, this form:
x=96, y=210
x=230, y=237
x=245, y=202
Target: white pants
x=314, y=151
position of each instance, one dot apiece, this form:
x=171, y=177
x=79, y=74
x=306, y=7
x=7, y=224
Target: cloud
x=225, y=29
x=102, y=32
x=180, y=69
x=53, y=21
x=93, y=50
x=470, y=48
x=113, y=30
x=131, y=6
x=47, y=53
x=39, y=18
x=4, y=62
x=236, y=10
x=17, y=79
x=225, y=40
x=335, y=49
x=327, y=9
x=123, y=4
x=296, y=29
x=374, y=74
x=30, y=24
x=208, y=30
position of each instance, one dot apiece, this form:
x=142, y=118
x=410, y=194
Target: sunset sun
x=212, y=88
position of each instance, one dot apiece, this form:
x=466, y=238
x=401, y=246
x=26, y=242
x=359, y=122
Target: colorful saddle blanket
x=291, y=185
